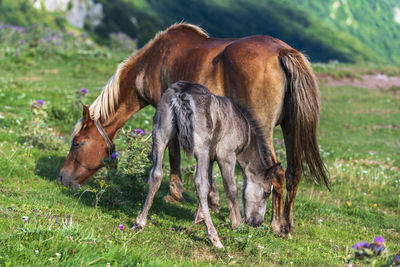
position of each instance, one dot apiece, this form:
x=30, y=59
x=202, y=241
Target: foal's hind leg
x=202, y=189
x=213, y=196
x=175, y=184
x=155, y=178
x=293, y=176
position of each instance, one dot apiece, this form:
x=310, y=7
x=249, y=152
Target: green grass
x=359, y=139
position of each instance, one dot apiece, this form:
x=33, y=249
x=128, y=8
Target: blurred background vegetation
x=348, y=31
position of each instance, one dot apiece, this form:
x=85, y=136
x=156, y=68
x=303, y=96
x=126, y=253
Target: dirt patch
x=30, y=78
x=376, y=81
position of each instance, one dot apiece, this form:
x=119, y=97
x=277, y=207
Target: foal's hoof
x=216, y=243
x=171, y=198
x=136, y=227
x=214, y=207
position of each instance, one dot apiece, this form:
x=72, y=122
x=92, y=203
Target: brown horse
x=263, y=73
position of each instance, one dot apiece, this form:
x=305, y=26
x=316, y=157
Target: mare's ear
x=87, y=120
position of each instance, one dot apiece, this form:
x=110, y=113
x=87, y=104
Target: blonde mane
x=104, y=105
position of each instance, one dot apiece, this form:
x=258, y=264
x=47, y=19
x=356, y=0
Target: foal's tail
x=304, y=110
x=183, y=109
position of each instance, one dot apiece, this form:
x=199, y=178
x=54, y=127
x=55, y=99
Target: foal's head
x=86, y=154
x=256, y=191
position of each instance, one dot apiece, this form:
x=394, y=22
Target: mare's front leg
x=155, y=178
x=293, y=176
x=175, y=184
x=277, y=202
x=202, y=188
x=227, y=166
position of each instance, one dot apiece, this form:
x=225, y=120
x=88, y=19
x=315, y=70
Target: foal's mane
x=105, y=104
x=255, y=127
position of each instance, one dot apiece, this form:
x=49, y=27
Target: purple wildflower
x=25, y=219
x=17, y=52
x=22, y=41
x=377, y=248
x=2, y=179
x=379, y=240
x=190, y=229
x=40, y=102
x=359, y=245
x=114, y=155
x=139, y=131
x=121, y=227
x=84, y=91
x=173, y=229
x=69, y=216
x=397, y=258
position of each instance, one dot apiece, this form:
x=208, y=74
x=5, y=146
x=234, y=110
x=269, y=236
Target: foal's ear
x=86, y=116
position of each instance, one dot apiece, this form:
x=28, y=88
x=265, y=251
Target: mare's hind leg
x=155, y=178
x=175, y=184
x=202, y=189
x=293, y=175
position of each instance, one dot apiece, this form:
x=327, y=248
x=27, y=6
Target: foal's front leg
x=227, y=166
x=202, y=188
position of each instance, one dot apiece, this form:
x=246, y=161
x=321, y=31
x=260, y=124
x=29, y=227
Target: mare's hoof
x=236, y=225
x=171, y=198
x=277, y=229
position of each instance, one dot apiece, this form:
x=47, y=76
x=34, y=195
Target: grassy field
x=43, y=223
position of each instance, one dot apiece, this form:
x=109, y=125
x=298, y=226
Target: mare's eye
x=266, y=194
x=76, y=144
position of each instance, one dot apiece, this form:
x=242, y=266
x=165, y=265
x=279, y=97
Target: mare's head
x=256, y=191
x=88, y=149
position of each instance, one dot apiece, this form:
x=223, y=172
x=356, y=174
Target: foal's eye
x=266, y=194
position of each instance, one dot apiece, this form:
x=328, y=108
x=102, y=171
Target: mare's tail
x=304, y=111
x=183, y=108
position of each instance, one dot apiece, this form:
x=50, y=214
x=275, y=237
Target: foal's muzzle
x=255, y=220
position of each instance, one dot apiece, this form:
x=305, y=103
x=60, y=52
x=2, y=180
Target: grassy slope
x=359, y=137
x=371, y=22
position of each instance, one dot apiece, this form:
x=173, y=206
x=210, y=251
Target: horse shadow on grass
x=123, y=193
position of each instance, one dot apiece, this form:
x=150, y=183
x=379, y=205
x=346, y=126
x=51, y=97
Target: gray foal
x=212, y=128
